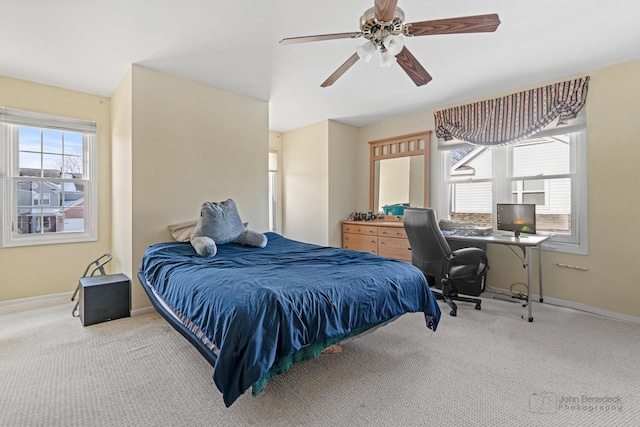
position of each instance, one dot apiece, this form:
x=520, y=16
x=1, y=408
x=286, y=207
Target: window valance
x=513, y=117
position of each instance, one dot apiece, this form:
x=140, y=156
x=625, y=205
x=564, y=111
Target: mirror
x=399, y=181
x=399, y=171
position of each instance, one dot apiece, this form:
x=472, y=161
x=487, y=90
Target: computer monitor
x=516, y=217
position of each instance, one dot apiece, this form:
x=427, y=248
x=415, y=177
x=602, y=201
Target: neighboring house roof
x=456, y=155
x=465, y=157
x=75, y=209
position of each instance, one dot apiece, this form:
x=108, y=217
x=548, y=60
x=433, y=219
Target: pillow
x=220, y=224
x=182, y=231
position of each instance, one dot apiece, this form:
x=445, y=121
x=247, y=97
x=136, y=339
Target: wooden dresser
x=384, y=238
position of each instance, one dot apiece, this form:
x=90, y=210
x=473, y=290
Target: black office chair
x=431, y=253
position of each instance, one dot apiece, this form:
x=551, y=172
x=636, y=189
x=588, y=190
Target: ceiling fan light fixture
x=365, y=51
x=386, y=58
x=393, y=44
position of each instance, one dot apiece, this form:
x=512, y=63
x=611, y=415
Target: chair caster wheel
x=454, y=313
x=478, y=306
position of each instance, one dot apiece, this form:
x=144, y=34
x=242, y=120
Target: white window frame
x=577, y=241
x=520, y=192
x=10, y=120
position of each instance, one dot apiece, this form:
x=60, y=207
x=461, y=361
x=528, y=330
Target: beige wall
x=122, y=190
x=343, y=151
x=190, y=143
x=50, y=269
x=611, y=281
x=305, y=157
x=178, y=143
x=319, y=181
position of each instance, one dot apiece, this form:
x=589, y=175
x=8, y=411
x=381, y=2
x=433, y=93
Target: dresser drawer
x=398, y=232
x=395, y=248
x=369, y=230
x=360, y=242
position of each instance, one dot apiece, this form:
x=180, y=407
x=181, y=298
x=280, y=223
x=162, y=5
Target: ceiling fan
x=383, y=26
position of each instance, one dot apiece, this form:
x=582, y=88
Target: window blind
x=28, y=118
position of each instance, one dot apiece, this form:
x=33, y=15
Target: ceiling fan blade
x=464, y=24
x=385, y=9
x=341, y=70
x=412, y=67
x=305, y=39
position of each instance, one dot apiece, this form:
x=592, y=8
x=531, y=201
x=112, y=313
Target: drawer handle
x=371, y=231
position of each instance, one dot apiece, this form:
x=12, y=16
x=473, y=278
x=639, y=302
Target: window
x=548, y=170
x=273, y=190
x=542, y=175
x=470, y=185
x=48, y=174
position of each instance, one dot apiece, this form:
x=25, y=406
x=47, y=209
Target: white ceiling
x=88, y=46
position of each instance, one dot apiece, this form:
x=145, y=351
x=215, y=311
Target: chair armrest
x=468, y=255
x=467, y=262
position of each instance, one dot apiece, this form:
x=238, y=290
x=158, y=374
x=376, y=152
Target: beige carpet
x=486, y=367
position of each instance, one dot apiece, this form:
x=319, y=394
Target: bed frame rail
x=190, y=336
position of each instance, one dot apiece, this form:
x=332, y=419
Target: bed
x=254, y=312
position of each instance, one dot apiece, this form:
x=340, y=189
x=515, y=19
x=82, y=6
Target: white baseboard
x=587, y=308
x=32, y=303
x=143, y=310
x=573, y=305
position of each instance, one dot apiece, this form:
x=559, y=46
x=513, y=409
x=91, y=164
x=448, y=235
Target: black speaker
x=104, y=298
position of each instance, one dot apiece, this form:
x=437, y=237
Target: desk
x=526, y=243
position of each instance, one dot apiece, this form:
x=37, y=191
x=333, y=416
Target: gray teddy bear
x=220, y=224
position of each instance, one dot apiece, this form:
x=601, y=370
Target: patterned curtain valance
x=514, y=117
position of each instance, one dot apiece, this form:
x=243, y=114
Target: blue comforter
x=259, y=305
